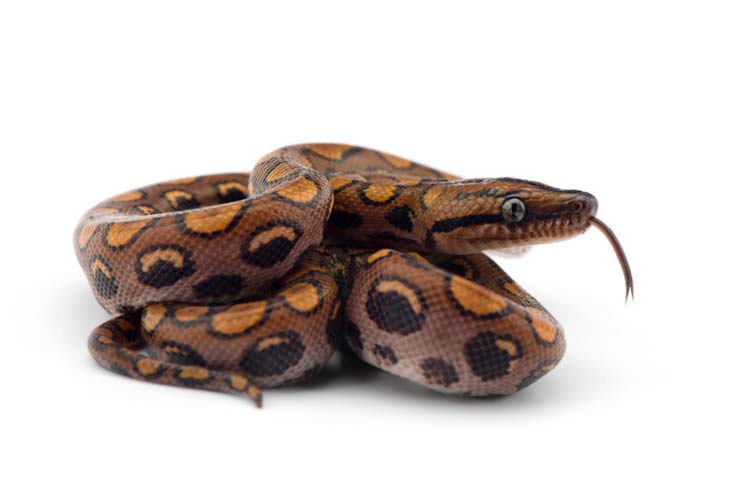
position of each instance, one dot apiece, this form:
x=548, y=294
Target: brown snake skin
x=238, y=282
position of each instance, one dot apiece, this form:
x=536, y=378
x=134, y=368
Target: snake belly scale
x=240, y=282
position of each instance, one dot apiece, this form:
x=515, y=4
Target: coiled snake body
x=239, y=282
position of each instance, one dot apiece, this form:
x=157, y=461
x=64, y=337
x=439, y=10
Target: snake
x=240, y=282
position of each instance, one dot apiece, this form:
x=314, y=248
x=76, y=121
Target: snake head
x=504, y=213
x=476, y=215
x=535, y=213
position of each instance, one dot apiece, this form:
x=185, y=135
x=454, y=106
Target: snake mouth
x=620, y=252
x=550, y=230
x=541, y=231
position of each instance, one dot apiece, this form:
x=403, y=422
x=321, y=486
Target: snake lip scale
x=239, y=282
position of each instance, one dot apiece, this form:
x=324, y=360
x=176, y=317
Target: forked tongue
x=620, y=255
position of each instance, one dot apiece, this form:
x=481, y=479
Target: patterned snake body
x=239, y=282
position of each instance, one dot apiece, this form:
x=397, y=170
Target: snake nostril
x=583, y=206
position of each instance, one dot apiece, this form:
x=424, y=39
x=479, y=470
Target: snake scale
x=240, y=282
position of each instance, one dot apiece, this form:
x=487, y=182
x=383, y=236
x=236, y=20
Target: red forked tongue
x=620, y=255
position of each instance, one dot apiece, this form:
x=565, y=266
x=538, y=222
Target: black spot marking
x=273, y=251
x=429, y=240
x=460, y=266
x=438, y=372
x=104, y=282
x=342, y=219
x=354, y=337
x=333, y=330
x=127, y=310
x=124, y=329
x=114, y=367
x=400, y=217
x=164, y=271
x=128, y=328
x=182, y=354
x=538, y=373
x=181, y=200
x=227, y=192
x=273, y=355
x=385, y=354
x=487, y=359
x=393, y=310
x=219, y=287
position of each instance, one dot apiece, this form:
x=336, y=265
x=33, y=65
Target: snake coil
x=238, y=282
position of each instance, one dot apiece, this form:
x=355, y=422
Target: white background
x=645, y=104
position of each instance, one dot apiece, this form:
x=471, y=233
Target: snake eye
x=513, y=210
